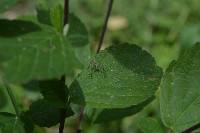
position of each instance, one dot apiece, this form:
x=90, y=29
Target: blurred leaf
x=9, y=123
x=180, y=91
x=6, y=4
x=55, y=92
x=107, y=115
x=56, y=16
x=118, y=77
x=190, y=35
x=3, y=98
x=78, y=37
x=150, y=125
x=44, y=114
x=12, y=28
x=44, y=9
x=36, y=56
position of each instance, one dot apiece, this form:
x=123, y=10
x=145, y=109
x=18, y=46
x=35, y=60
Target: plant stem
x=63, y=112
x=13, y=100
x=66, y=12
x=190, y=130
x=78, y=130
x=105, y=25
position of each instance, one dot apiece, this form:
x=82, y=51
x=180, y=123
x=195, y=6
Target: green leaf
x=6, y=4
x=43, y=8
x=55, y=92
x=107, y=115
x=180, y=91
x=78, y=36
x=118, y=77
x=12, y=28
x=3, y=98
x=76, y=31
x=10, y=123
x=44, y=114
x=150, y=125
x=36, y=56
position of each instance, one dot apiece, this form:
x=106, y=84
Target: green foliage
x=44, y=114
x=180, y=91
x=107, y=115
x=36, y=56
x=10, y=123
x=150, y=125
x=118, y=77
x=54, y=92
x=50, y=69
x=6, y=4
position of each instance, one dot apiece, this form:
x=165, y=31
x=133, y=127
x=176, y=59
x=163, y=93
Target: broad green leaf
x=12, y=28
x=44, y=114
x=107, y=115
x=55, y=92
x=6, y=4
x=10, y=123
x=150, y=125
x=36, y=56
x=78, y=37
x=180, y=91
x=118, y=77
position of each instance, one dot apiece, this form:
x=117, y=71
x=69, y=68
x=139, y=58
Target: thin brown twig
x=63, y=112
x=78, y=130
x=105, y=25
x=191, y=129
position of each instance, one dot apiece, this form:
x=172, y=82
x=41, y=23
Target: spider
x=95, y=67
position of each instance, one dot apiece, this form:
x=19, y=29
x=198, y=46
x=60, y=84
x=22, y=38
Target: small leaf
x=44, y=114
x=180, y=91
x=55, y=92
x=118, y=77
x=43, y=8
x=77, y=33
x=36, y=56
x=107, y=115
x=78, y=36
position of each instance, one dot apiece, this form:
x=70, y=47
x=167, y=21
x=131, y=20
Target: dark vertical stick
x=78, y=130
x=105, y=25
x=63, y=112
x=66, y=12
